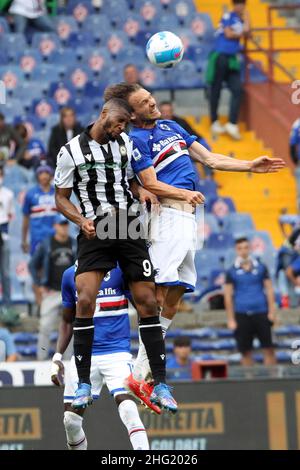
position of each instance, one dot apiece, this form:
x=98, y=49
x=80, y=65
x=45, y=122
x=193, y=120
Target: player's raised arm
x=218, y=161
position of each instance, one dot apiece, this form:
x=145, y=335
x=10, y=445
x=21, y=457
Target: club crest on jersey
x=164, y=127
x=136, y=154
x=123, y=150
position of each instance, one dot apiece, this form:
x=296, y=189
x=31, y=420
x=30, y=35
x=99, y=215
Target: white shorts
x=173, y=243
x=109, y=369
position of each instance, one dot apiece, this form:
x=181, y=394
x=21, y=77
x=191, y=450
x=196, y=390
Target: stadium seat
x=46, y=43
x=62, y=92
x=79, y=10
x=151, y=77
x=184, y=10
x=44, y=107
x=13, y=44
x=81, y=39
x=95, y=89
x=30, y=90
x=210, y=225
x=62, y=58
x=221, y=206
x=96, y=59
x=167, y=22
x=79, y=75
x=4, y=28
x=65, y=26
x=48, y=73
x=205, y=261
x=143, y=36
x=83, y=105
x=132, y=54
x=201, y=26
x=116, y=42
x=12, y=77
x=186, y=75
x=238, y=224
x=28, y=60
x=219, y=241
x=98, y=25
x=131, y=24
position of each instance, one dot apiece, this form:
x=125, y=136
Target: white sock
x=131, y=419
x=141, y=365
x=165, y=324
x=76, y=439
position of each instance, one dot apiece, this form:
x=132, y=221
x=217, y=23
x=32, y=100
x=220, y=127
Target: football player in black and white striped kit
x=96, y=166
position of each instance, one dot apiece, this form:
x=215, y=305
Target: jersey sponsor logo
x=102, y=165
x=88, y=156
x=79, y=358
x=162, y=356
x=136, y=154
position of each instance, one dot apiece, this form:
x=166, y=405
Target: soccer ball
x=164, y=49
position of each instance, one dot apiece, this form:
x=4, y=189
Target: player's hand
x=88, y=228
x=194, y=197
x=231, y=324
x=57, y=370
x=25, y=247
x=149, y=199
x=267, y=165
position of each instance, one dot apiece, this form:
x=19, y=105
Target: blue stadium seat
x=28, y=60
x=43, y=108
x=48, y=73
x=186, y=75
x=24, y=337
x=167, y=22
x=220, y=241
x=151, y=77
x=62, y=92
x=116, y=42
x=79, y=75
x=96, y=59
x=132, y=55
x=95, y=88
x=27, y=351
x=13, y=44
x=221, y=206
x=46, y=43
x=185, y=10
x=12, y=76
x=83, y=105
x=206, y=261
x=229, y=258
x=62, y=58
x=65, y=26
x=98, y=25
x=201, y=25
x=131, y=23
x=4, y=28
x=30, y=90
x=207, y=187
x=238, y=224
x=143, y=36
x=81, y=39
x=79, y=10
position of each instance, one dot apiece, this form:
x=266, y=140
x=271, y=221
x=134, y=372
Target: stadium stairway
x=262, y=196
x=258, y=13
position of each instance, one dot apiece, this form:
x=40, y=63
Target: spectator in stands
x=295, y=153
x=287, y=254
x=39, y=212
x=11, y=143
x=52, y=257
x=131, y=74
x=30, y=12
x=34, y=153
x=224, y=66
x=293, y=275
x=179, y=366
x=67, y=128
x=250, y=305
x=6, y=214
x=8, y=350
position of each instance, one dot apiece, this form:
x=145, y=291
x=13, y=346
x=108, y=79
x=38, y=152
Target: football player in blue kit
x=161, y=159
x=111, y=359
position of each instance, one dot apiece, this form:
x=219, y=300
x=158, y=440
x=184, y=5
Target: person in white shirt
x=31, y=12
x=6, y=214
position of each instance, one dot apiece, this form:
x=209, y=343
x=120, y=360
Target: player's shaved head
x=116, y=104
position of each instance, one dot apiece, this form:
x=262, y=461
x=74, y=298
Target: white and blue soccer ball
x=164, y=49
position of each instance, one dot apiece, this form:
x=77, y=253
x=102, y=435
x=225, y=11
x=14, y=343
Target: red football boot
x=142, y=390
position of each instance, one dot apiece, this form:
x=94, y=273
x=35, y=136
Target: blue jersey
x=41, y=209
x=248, y=288
x=36, y=148
x=111, y=321
x=165, y=147
x=295, y=136
x=223, y=44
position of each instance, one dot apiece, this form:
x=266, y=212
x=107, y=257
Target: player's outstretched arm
x=217, y=161
x=65, y=333
x=150, y=182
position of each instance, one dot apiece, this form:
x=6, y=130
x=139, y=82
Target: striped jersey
x=165, y=147
x=41, y=209
x=111, y=321
x=98, y=174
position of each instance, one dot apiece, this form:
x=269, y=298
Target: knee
x=85, y=304
x=72, y=422
x=146, y=305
